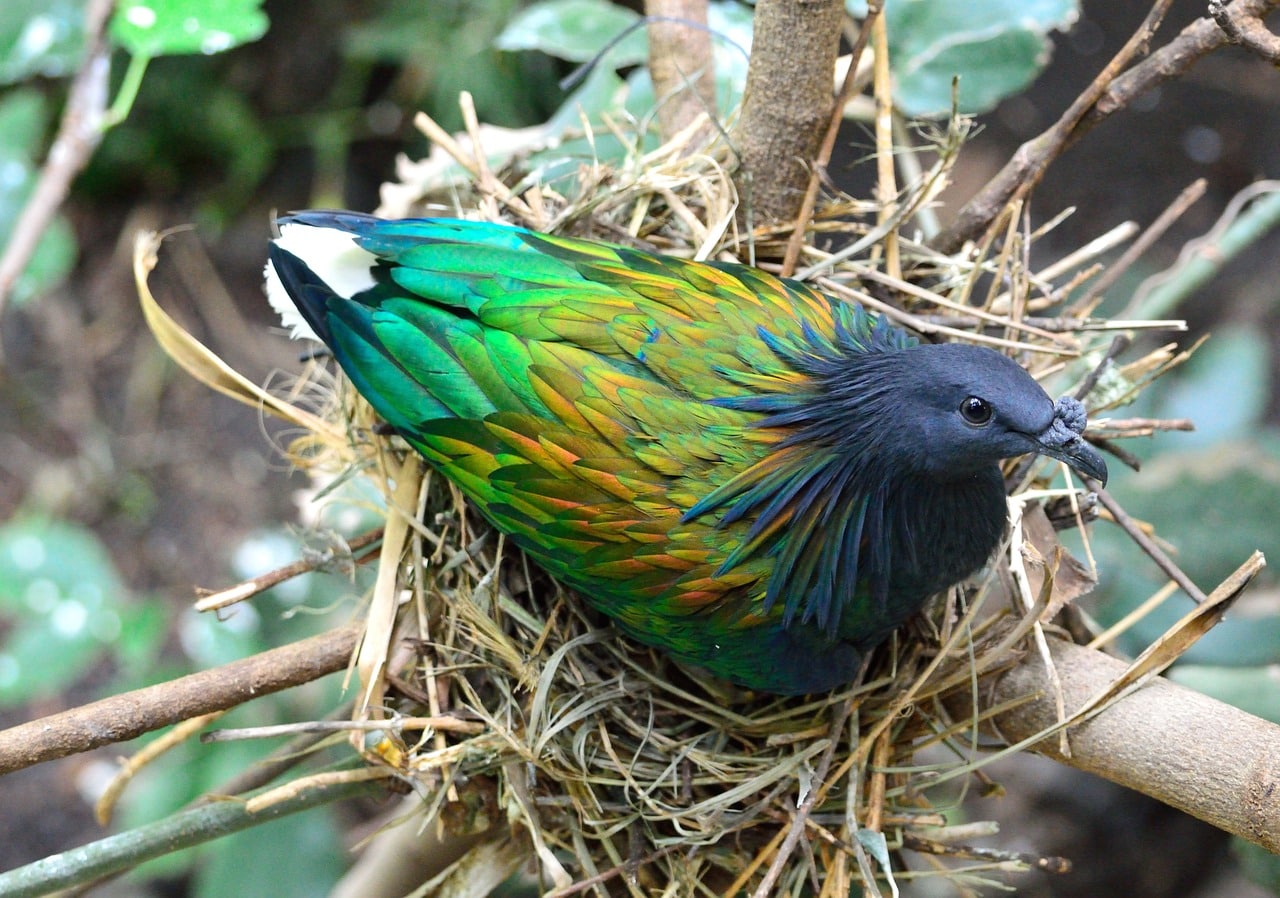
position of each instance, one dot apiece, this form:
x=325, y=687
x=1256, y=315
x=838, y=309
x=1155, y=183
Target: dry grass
x=621, y=771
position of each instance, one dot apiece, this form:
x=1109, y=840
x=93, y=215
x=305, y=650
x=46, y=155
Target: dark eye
x=975, y=411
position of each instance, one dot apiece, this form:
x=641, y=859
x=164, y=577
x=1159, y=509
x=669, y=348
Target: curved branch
x=1249, y=31
x=1162, y=740
x=123, y=717
x=195, y=826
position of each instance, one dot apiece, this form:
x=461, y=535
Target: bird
x=762, y=480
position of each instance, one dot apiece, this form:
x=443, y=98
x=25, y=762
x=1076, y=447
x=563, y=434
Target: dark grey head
x=960, y=408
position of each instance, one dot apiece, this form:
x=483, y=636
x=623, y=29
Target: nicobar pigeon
x=755, y=477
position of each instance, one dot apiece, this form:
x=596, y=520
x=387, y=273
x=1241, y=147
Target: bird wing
x=584, y=396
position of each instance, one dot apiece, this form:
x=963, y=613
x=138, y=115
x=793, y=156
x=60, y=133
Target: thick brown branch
x=787, y=103
x=1162, y=740
x=1198, y=39
x=124, y=717
x=682, y=67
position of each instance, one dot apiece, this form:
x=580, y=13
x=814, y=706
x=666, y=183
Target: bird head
x=966, y=407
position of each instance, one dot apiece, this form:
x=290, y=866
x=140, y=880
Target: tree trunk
x=682, y=67
x=787, y=104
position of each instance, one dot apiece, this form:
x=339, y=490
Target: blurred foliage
x=1212, y=495
x=40, y=38
x=188, y=121
x=1258, y=864
x=63, y=607
x=990, y=50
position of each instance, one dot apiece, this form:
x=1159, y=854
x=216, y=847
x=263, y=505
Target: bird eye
x=975, y=411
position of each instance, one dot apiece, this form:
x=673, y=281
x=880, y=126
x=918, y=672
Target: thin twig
x=606, y=875
x=1184, y=201
x=1046, y=864
x=1249, y=214
x=1118, y=345
x=79, y=134
x=274, y=764
x=1059, y=325
x=886, y=189
x=1139, y=427
x=217, y=600
x=394, y=724
x=1124, y=456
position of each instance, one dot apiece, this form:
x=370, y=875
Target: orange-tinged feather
x=528, y=447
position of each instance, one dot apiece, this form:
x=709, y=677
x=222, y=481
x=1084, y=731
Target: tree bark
x=1192, y=752
x=786, y=105
x=123, y=717
x=682, y=67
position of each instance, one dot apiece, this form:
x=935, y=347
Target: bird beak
x=1062, y=440
x=1081, y=456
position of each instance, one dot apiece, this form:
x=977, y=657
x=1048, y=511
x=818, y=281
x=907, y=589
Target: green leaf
x=1252, y=689
x=62, y=601
x=576, y=30
x=40, y=37
x=169, y=27
x=995, y=47
x=1224, y=388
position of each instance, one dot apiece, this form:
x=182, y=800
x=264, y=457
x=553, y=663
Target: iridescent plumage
x=758, y=478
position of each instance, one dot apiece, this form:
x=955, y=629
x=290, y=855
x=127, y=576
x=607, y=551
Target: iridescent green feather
x=583, y=396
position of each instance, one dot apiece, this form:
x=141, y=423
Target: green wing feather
x=583, y=395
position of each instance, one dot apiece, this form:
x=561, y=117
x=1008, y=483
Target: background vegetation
x=123, y=484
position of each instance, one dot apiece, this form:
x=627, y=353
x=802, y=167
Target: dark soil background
x=97, y=427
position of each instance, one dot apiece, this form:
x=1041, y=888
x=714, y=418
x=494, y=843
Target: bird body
x=760, y=479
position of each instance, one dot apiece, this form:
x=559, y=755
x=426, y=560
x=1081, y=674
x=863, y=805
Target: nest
x=520, y=713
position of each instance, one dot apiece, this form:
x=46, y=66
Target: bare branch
x=1246, y=29
x=1147, y=544
x=78, y=136
x=123, y=717
x=1023, y=171
x=1162, y=740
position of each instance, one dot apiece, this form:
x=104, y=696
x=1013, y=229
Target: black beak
x=1062, y=440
